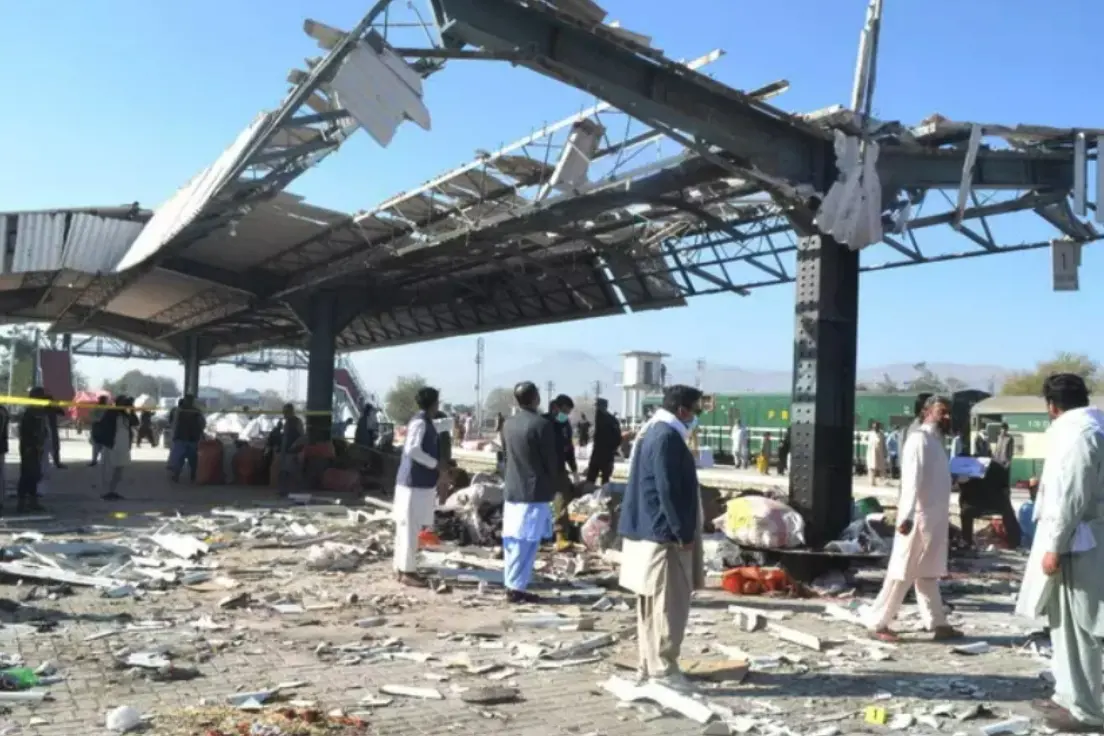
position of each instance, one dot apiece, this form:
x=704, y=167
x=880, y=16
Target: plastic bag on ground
x=858, y=538
x=758, y=521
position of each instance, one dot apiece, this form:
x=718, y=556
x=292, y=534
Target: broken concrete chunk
x=795, y=637
x=424, y=693
x=664, y=696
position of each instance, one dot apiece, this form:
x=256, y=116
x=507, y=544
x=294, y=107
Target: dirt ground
x=339, y=640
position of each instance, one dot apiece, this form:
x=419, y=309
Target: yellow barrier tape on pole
x=28, y=401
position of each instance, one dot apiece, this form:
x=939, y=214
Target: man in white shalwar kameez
x=533, y=468
x=416, y=485
x=919, y=556
x=1063, y=581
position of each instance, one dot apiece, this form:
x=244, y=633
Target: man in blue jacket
x=661, y=534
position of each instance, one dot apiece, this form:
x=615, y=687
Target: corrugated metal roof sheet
x=43, y=242
x=39, y=241
x=183, y=207
x=96, y=244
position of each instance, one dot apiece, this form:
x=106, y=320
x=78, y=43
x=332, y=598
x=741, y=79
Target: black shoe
x=521, y=596
x=111, y=496
x=61, y=466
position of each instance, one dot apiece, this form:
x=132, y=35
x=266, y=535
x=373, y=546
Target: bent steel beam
x=648, y=87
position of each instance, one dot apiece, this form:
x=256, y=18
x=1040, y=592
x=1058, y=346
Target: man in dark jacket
x=53, y=413
x=607, y=440
x=532, y=468
x=559, y=411
x=32, y=444
x=660, y=529
x=187, y=432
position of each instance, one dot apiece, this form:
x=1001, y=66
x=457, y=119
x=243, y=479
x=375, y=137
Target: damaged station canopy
x=566, y=224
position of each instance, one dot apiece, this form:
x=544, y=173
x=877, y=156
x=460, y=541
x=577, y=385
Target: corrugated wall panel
x=95, y=244
x=183, y=207
x=38, y=242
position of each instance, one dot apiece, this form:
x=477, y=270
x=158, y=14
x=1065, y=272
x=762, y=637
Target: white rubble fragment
x=901, y=722
x=123, y=719
x=974, y=647
x=664, y=696
x=181, y=545
x=1016, y=726
x=424, y=693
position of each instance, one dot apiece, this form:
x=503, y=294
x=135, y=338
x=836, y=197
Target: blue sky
x=120, y=100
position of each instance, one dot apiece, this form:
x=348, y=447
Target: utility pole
x=699, y=376
x=597, y=390
x=479, y=360
x=549, y=387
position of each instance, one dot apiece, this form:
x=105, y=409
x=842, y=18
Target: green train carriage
x=764, y=413
x=1027, y=420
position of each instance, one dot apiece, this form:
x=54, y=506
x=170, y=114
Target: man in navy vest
x=416, y=484
x=661, y=534
x=559, y=413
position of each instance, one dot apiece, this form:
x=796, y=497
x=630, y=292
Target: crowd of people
x=661, y=523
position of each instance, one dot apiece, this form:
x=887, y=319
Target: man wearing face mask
x=660, y=527
x=919, y=556
x=559, y=409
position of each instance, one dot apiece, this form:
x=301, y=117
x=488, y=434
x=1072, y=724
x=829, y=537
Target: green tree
x=499, y=401
x=271, y=400
x=400, y=402
x=1030, y=383
x=135, y=383
x=887, y=385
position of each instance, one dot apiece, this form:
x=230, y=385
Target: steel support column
x=322, y=320
x=823, y=411
x=191, y=365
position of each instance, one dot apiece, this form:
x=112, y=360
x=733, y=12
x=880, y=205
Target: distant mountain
x=575, y=372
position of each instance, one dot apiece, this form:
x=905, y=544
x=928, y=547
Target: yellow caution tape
x=28, y=401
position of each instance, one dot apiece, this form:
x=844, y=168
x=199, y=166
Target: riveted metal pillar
x=823, y=411
x=322, y=320
x=191, y=365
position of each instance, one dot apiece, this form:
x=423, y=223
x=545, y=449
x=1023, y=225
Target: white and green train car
x=1027, y=420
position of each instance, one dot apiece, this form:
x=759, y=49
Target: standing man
x=582, y=430
x=876, y=454
x=53, y=443
x=559, y=412
x=919, y=556
x=660, y=529
x=918, y=417
x=94, y=417
x=1005, y=447
x=188, y=427
x=420, y=474
x=607, y=441
x=292, y=438
x=367, y=430
x=741, y=449
x=981, y=444
x=1062, y=580
x=32, y=443
x=532, y=470
x=893, y=451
